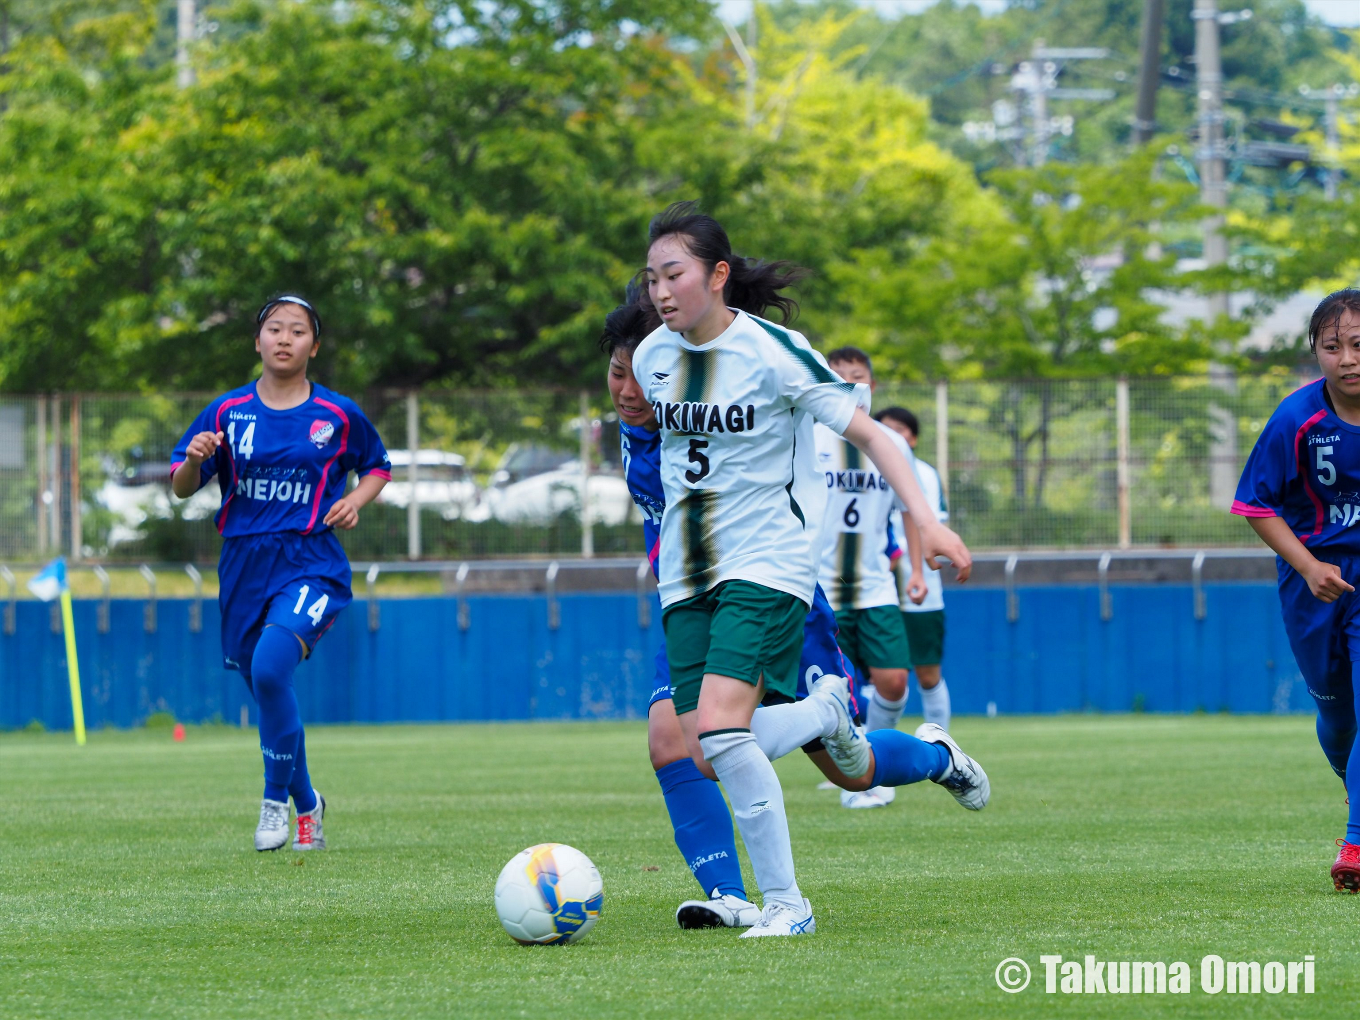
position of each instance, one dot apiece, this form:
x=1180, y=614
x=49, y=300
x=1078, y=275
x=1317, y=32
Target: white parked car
x=442, y=483
x=142, y=493
x=542, y=497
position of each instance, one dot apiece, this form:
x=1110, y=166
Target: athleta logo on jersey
x=320, y=432
x=694, y=417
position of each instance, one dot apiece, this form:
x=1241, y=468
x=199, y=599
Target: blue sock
x=271, y=679
x=703, y=827
x=901, y=759
x=304, y=797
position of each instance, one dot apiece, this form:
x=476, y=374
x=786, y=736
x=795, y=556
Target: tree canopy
x=463, y=187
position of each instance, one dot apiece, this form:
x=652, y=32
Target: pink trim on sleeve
x=175, y=467
x=382, y=473
x=1247, y=510
x=344, y=442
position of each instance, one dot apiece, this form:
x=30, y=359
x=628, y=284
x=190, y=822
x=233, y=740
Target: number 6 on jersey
x=317, y=608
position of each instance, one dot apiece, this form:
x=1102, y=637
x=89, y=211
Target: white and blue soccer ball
x=549, y=894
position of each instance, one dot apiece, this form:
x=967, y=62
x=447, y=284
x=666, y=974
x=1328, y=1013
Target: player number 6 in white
x=317, y=608
x=1326, y=471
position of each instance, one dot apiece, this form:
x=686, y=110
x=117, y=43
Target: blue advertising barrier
x=1058, y=655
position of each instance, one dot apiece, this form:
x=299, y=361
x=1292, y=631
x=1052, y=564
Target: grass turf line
x=128, y=886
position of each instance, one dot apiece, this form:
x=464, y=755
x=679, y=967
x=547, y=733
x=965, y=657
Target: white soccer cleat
x=272, y=832
x=719, y=912
x=887, y=794
x=309, y=835
x=862, y=799
x=847, y=747
x=965, y=778
x=778, y=919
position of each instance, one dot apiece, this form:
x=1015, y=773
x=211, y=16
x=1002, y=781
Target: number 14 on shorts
x=317, y=609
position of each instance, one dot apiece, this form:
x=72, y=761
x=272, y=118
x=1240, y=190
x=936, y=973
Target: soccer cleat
x=887, y=794
x=862, y=799
x=965, y=778
x=309, y=835
x=272, y=832
x=847, y=746
x=719, y=912
x=779, y=919
x=1346, y=870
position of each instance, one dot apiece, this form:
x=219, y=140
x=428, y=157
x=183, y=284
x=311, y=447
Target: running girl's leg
x=276, y=656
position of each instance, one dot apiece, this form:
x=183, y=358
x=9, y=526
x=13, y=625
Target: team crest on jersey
x=320, y=432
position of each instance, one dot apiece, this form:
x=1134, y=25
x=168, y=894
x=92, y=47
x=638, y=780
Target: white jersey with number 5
x=856, y=572
x=744, y=497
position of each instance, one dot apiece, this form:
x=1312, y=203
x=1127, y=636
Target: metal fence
x=1027, y=464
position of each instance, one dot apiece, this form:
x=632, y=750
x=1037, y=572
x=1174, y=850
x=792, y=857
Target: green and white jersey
x=855, y=571
x=744, y=497
x=934, y=493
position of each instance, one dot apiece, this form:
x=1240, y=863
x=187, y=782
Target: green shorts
x=925, y=634
x=738, y=629
x=874, y=638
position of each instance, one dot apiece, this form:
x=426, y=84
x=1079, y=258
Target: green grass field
x=128, y=886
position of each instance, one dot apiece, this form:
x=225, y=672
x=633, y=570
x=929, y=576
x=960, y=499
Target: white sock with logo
x=780, y=729
x=758, y=806
x=935, y=704
x=883, y=714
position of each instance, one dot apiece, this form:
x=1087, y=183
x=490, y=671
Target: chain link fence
x=1028, y=465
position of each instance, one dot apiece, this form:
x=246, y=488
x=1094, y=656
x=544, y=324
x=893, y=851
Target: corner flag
x=48, y=584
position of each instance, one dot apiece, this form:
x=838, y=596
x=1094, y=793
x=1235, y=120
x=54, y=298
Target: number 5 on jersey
x=317, y=608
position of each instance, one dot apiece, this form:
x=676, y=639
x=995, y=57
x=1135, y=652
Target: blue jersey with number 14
x=281, y=471
x=1305, y=468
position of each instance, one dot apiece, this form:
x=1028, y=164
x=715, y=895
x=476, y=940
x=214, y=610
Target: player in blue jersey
x=699, y=815
x=282, y=448
x=1300, y=492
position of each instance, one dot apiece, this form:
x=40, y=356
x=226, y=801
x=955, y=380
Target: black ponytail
x=630, y=323
x=1327, y=315
x=752, y=285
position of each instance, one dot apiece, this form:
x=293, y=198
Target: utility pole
x=1213, y=193
x=1149, y=73
x=187, y=29
x=1334, y=95
x=1037, y=78
x=1045, y=77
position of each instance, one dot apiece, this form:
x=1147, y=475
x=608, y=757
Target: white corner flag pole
x=68, y=624
x=49, y=584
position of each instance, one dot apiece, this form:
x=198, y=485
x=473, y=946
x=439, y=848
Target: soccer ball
x=549, y=894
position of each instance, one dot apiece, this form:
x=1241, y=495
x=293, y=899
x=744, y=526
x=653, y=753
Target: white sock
x=883, y=714
x=758, y=806
x=779, y=729
x=935, y=704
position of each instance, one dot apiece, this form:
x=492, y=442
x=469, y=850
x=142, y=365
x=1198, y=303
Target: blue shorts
x=300, y=582
x=821, y=654
x=1324, y=636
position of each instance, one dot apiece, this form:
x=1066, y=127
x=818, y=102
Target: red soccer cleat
x=1346, y=870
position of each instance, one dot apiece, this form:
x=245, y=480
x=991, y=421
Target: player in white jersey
x=855, y=570
x=924, y=620
x=736, y=398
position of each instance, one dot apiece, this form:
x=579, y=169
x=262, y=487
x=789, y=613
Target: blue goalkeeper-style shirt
x=1305, y=468
x=282, y=471
x=642, y=472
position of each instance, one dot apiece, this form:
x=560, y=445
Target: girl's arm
x=185, y=480
x=916, y=582
x=1324, y=579
x=936, y=539
x=344, y=512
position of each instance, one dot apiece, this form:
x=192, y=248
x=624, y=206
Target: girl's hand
x=916, y=588
x=202, y=446
x=1326, y=583
x=938, y=540
x=343, y=514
